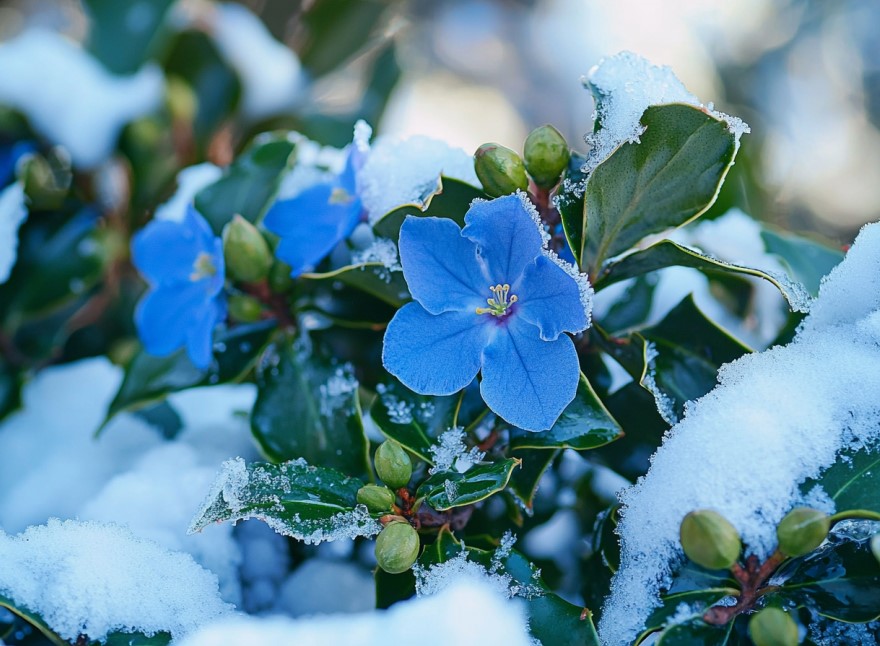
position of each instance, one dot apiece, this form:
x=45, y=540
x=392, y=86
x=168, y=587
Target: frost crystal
x=451, y=452
x=336, y=393
x=796, y=407
x=661, y=399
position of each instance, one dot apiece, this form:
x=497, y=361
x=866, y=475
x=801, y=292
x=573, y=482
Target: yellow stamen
x=340, y=196
x=500, y=305
x=203, y=267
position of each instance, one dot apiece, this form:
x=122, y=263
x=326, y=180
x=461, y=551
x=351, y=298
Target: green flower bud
x=279, y=277
x=376, y=498
x=181, y=100
x=397, y=547
x=546, y=155
x=773, y=627
x=710, y=540
x=47, y=180
x=501, y=171
x=393, y=464
x=247, y=255
x=875, y=546
x=244, y=308
x=802, y=530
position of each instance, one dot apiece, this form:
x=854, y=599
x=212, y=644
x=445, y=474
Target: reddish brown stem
x=752, y=580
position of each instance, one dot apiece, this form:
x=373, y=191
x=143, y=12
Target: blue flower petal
x=434, y=354
x=165, y=315
x=312, y=224
x=527, y=381
x=441, y=267
x=165, y=251
x=507, y=236
x=550, y=299
x=200, y=338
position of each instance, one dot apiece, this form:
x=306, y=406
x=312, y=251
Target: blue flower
x=488, y=299
x=9, y=156
x=314, y=221
x=183, y=264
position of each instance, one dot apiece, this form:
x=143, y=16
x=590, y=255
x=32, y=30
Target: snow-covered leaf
x=667, y=179
x=808, y=260
x=309, y=503
x=447, y=489
x=852, y=482
x=667, y=253
x=308, y=407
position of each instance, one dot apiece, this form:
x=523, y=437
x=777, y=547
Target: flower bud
x=773, y=627
x=244, y=308
x=397, y=547
x=710, y=540
x=279, y=277
x=376, y=498
x=393, y=464
x=802, y=530
x=546, y=155
x=501, y=171
x=875, y=546
x=47, y=180
x=247, y=255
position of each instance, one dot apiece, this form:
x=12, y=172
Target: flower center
x=340, y=196
x=500, y=304
x=203, y=267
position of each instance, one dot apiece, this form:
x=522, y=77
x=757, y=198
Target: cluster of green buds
x=708, y=539
x=502, y=171
x=802, y=530
x=397, y=546
x=47, y=179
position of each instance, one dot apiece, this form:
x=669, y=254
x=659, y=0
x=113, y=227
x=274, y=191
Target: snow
x=93, y=578
x=450, y=452
x=69, y=98
x=190, y=181
x=796, y=407
x=320, y=587
x=270, y=73
x=405, y=171
x=13, y=212
x=481, y=617
x=627, y=85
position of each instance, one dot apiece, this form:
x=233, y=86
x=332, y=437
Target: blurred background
x=805, y=75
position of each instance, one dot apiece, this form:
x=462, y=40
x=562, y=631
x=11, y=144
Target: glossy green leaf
x=450, y=198
x=584, y=424
x=524, y=481
x=414, y=421
x=632, y=309
x=852, y=482
x=149, y=378
x=249, y=185
x=449, y=489
x=308, y=503
x=570, y=202
x=121, y=33
x=808, y=260
x=391, y=588
x=701, y=600
x=308, y=407
x=552, y=620
x=696, y=631
x=34, y=620
x=666, y=180
x=667, y=253
x=137, y=639
x=840, y=580
x=678, y=359
x=370, y=277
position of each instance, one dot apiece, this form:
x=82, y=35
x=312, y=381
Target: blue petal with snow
x=527, y=381
x=312, y=223
x=440, y=266
x=506, y=235
x=434, y=354
x=550, y=299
